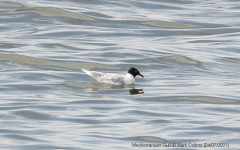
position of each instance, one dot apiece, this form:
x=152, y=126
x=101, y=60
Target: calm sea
x=188, y=51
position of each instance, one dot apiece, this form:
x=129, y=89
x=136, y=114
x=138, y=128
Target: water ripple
x=188, y=52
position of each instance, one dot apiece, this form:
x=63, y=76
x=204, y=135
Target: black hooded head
x=134, y=72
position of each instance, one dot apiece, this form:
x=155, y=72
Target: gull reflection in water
x=136, y=91
x=96, y=87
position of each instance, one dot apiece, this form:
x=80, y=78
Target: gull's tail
x=86, y=71
x=93, y=74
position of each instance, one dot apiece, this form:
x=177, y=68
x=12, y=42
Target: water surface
x=188, y=52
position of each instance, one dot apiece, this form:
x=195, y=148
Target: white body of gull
x=112, y=78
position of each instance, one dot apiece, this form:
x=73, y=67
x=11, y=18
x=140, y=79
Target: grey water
x=188, y=51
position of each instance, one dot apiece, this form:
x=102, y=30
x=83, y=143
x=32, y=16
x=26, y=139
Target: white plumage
x=112, y=78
